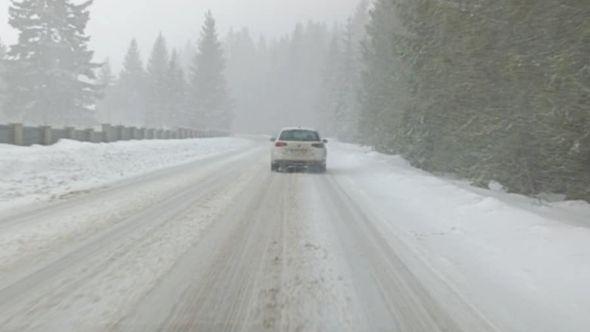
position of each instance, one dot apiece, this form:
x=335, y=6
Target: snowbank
x=40, y=173
x=526, y=263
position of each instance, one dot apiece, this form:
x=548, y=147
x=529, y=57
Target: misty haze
x=294, y=165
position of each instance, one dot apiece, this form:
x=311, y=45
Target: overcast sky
x=115, y=22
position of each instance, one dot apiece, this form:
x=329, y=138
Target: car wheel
x=274, y=167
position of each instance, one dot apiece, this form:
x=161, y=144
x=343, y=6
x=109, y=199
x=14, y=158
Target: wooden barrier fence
x=18, y=134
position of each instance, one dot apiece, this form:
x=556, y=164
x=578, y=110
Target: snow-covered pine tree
x=210, y=97
x=483, y=90
x=351, y=67
x=50, y=68
x=342, y=77
x=158, y=92
x=383, y=85
x=131, y=90
x=358, y=24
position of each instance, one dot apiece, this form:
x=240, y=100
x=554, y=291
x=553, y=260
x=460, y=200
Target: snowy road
x=222, y=244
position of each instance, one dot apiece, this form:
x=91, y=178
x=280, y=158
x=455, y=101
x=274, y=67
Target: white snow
x=41, y=173
x=523, y=262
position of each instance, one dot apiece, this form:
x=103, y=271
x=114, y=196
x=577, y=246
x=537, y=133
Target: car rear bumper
x=299, y=163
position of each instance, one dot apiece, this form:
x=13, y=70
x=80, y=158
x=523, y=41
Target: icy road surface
x=222, y=244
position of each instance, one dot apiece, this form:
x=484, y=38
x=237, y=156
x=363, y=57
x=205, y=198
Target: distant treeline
x=49, y=76
x=286, y=81
x=174, y=89
x=487, y=90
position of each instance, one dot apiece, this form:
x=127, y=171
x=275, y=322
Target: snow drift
x=40, y=173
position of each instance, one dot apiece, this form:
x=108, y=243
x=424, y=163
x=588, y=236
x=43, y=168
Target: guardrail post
x=106, y=133
x=124, y=133
x=70, y=133
x=16, y=133
x=89, y=135
x=118, y=133
x=151, y=134
x=46, y=135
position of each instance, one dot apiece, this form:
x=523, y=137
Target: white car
x=299, y=148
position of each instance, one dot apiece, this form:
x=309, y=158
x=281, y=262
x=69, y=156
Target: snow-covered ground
x=40, y=173
x=200, y=235
x=524, y=262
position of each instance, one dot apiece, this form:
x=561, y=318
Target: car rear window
x=300, y=136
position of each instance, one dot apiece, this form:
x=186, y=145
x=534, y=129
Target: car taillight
x=318, y=145
x=280, y=144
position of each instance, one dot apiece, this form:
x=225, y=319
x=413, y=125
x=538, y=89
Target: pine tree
x=331, y=88
x=287, y=71
x=187, y=56
x=131, y=90
x=383, y=81
x=210, y=97
x=2, y=51
x=51, y=67
x=246, y=77
x=106, y=80
x=342, y=78
x=3, y=115
x=176, y=105
x=296, y=80
x=483, y=90
x=349, y=81
x=358, y=24
x=105, y=77
x=158, y=93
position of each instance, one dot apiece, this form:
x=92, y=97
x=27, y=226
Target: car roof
x=298, y=128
